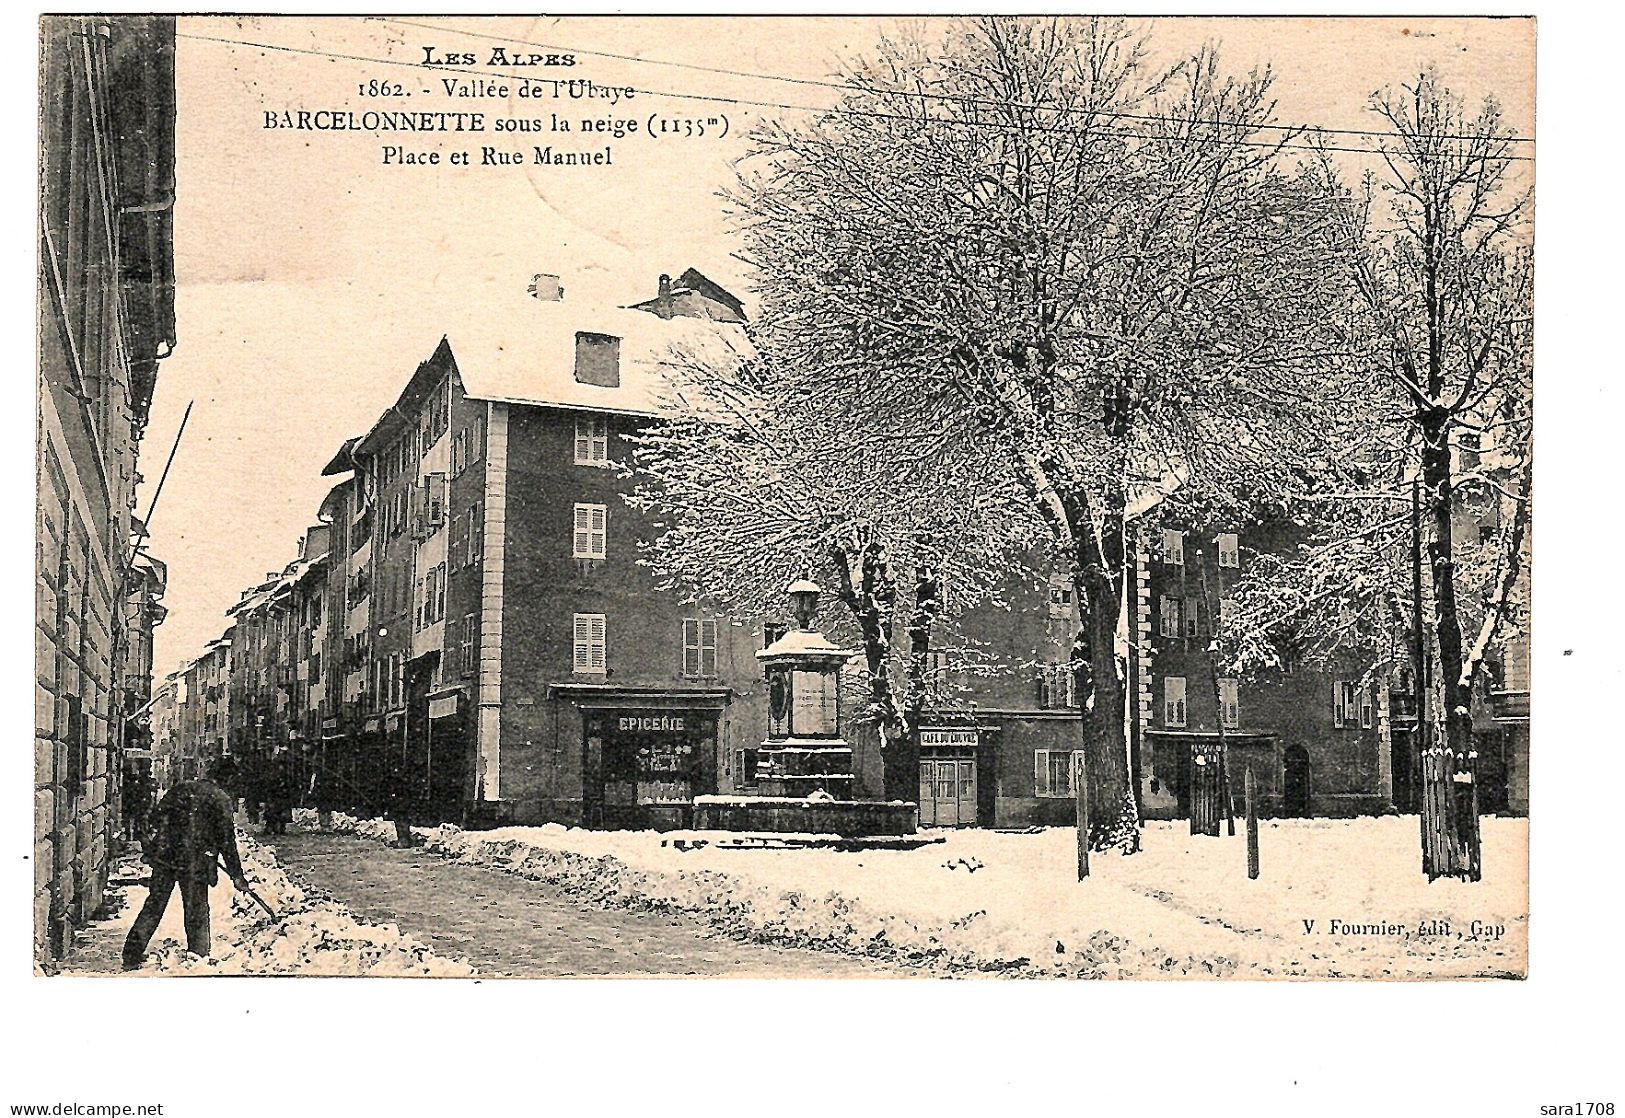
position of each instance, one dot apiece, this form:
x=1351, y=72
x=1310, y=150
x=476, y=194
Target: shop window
x=591, y=523
x=700, y=647
x=592, y=440
x=590, y=643
x=1173, y=701
x=1052, y=773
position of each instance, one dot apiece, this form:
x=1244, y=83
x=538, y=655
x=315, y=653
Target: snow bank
x=1009, y=903
x=313, y=934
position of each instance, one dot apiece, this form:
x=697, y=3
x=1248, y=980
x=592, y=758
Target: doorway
x=948, y=792
x=1295, y=782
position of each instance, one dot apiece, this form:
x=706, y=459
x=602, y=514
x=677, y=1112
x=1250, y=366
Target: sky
x=312, y=277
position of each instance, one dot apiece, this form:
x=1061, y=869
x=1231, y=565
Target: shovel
x=258, y=899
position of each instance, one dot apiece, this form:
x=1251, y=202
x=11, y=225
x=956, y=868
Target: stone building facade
x=106, y=318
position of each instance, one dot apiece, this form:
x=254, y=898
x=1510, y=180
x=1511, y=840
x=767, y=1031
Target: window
x=1169, y=617
x=459, y=443
x=1173, y=701
x=1345, y=704
x=590, y=532
x=469, y=646
x=589, y=643
x=1057, y=686
x=1173, y=547
x=472, y=551
x=1193, y=617
x=1368, y=709
x=1052, y=772
x=476, y=441
x=1229, y=550
x=699, y=647
x=1229, y=704
x=440, y=591
x=598, y=360
x=1060, y=598
x=592, y=440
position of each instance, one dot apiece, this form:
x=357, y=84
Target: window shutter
x=597, y=638
x=583, y=637
x=1173, y=547
x=579, y=547
x=691, y=646
x=598, y=531
x=1041, y=772
x=708, y=647
x=583, y=439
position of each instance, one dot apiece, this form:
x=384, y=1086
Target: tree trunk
x=1112, y=819
x=902, y=763
x=1461, y=854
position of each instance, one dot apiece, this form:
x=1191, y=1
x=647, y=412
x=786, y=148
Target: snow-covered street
x=311, y=933
x=990, y=902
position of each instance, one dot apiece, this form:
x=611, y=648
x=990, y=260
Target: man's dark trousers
x=194, y=910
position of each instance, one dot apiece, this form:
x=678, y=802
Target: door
x=1295, y=791
x=965, y=807
x=947, y=792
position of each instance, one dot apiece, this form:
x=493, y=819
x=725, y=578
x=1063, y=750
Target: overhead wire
x=1276, y=145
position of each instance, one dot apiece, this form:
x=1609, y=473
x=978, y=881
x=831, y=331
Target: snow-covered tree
x=1442, y=271
x=768, y=479
x=1111, y=273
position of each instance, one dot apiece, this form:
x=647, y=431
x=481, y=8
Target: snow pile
x=312, y=934
x=985, y=901
x=631, y=870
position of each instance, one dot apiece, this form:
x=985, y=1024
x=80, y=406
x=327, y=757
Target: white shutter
x=1173, y=547
x=581, y=543
x=596, y=640
x=583, y=439
x=691, y=647
x=1229, y=549
x=1230, y=703
x=598, y=531
x=583, y=640
x=708, y=647
x=1041, y=772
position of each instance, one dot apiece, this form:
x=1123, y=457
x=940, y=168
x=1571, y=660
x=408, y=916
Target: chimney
x=663, y=300
x=547, y=288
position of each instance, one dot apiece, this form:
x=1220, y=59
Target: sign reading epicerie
x=653, y=724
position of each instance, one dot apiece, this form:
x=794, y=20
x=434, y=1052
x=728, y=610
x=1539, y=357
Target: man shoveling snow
x=191, y=828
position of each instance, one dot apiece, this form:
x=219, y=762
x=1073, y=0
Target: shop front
x=950, y=767
x=643, y=766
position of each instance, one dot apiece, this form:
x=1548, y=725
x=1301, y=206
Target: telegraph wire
x=963, y=98
x=1282, y=145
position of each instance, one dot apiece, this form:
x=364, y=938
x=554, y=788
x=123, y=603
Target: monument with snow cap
x=805, y=765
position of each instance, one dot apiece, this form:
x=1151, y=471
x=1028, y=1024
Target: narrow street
x=509, y=926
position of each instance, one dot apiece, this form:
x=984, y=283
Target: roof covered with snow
x=524, y=351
